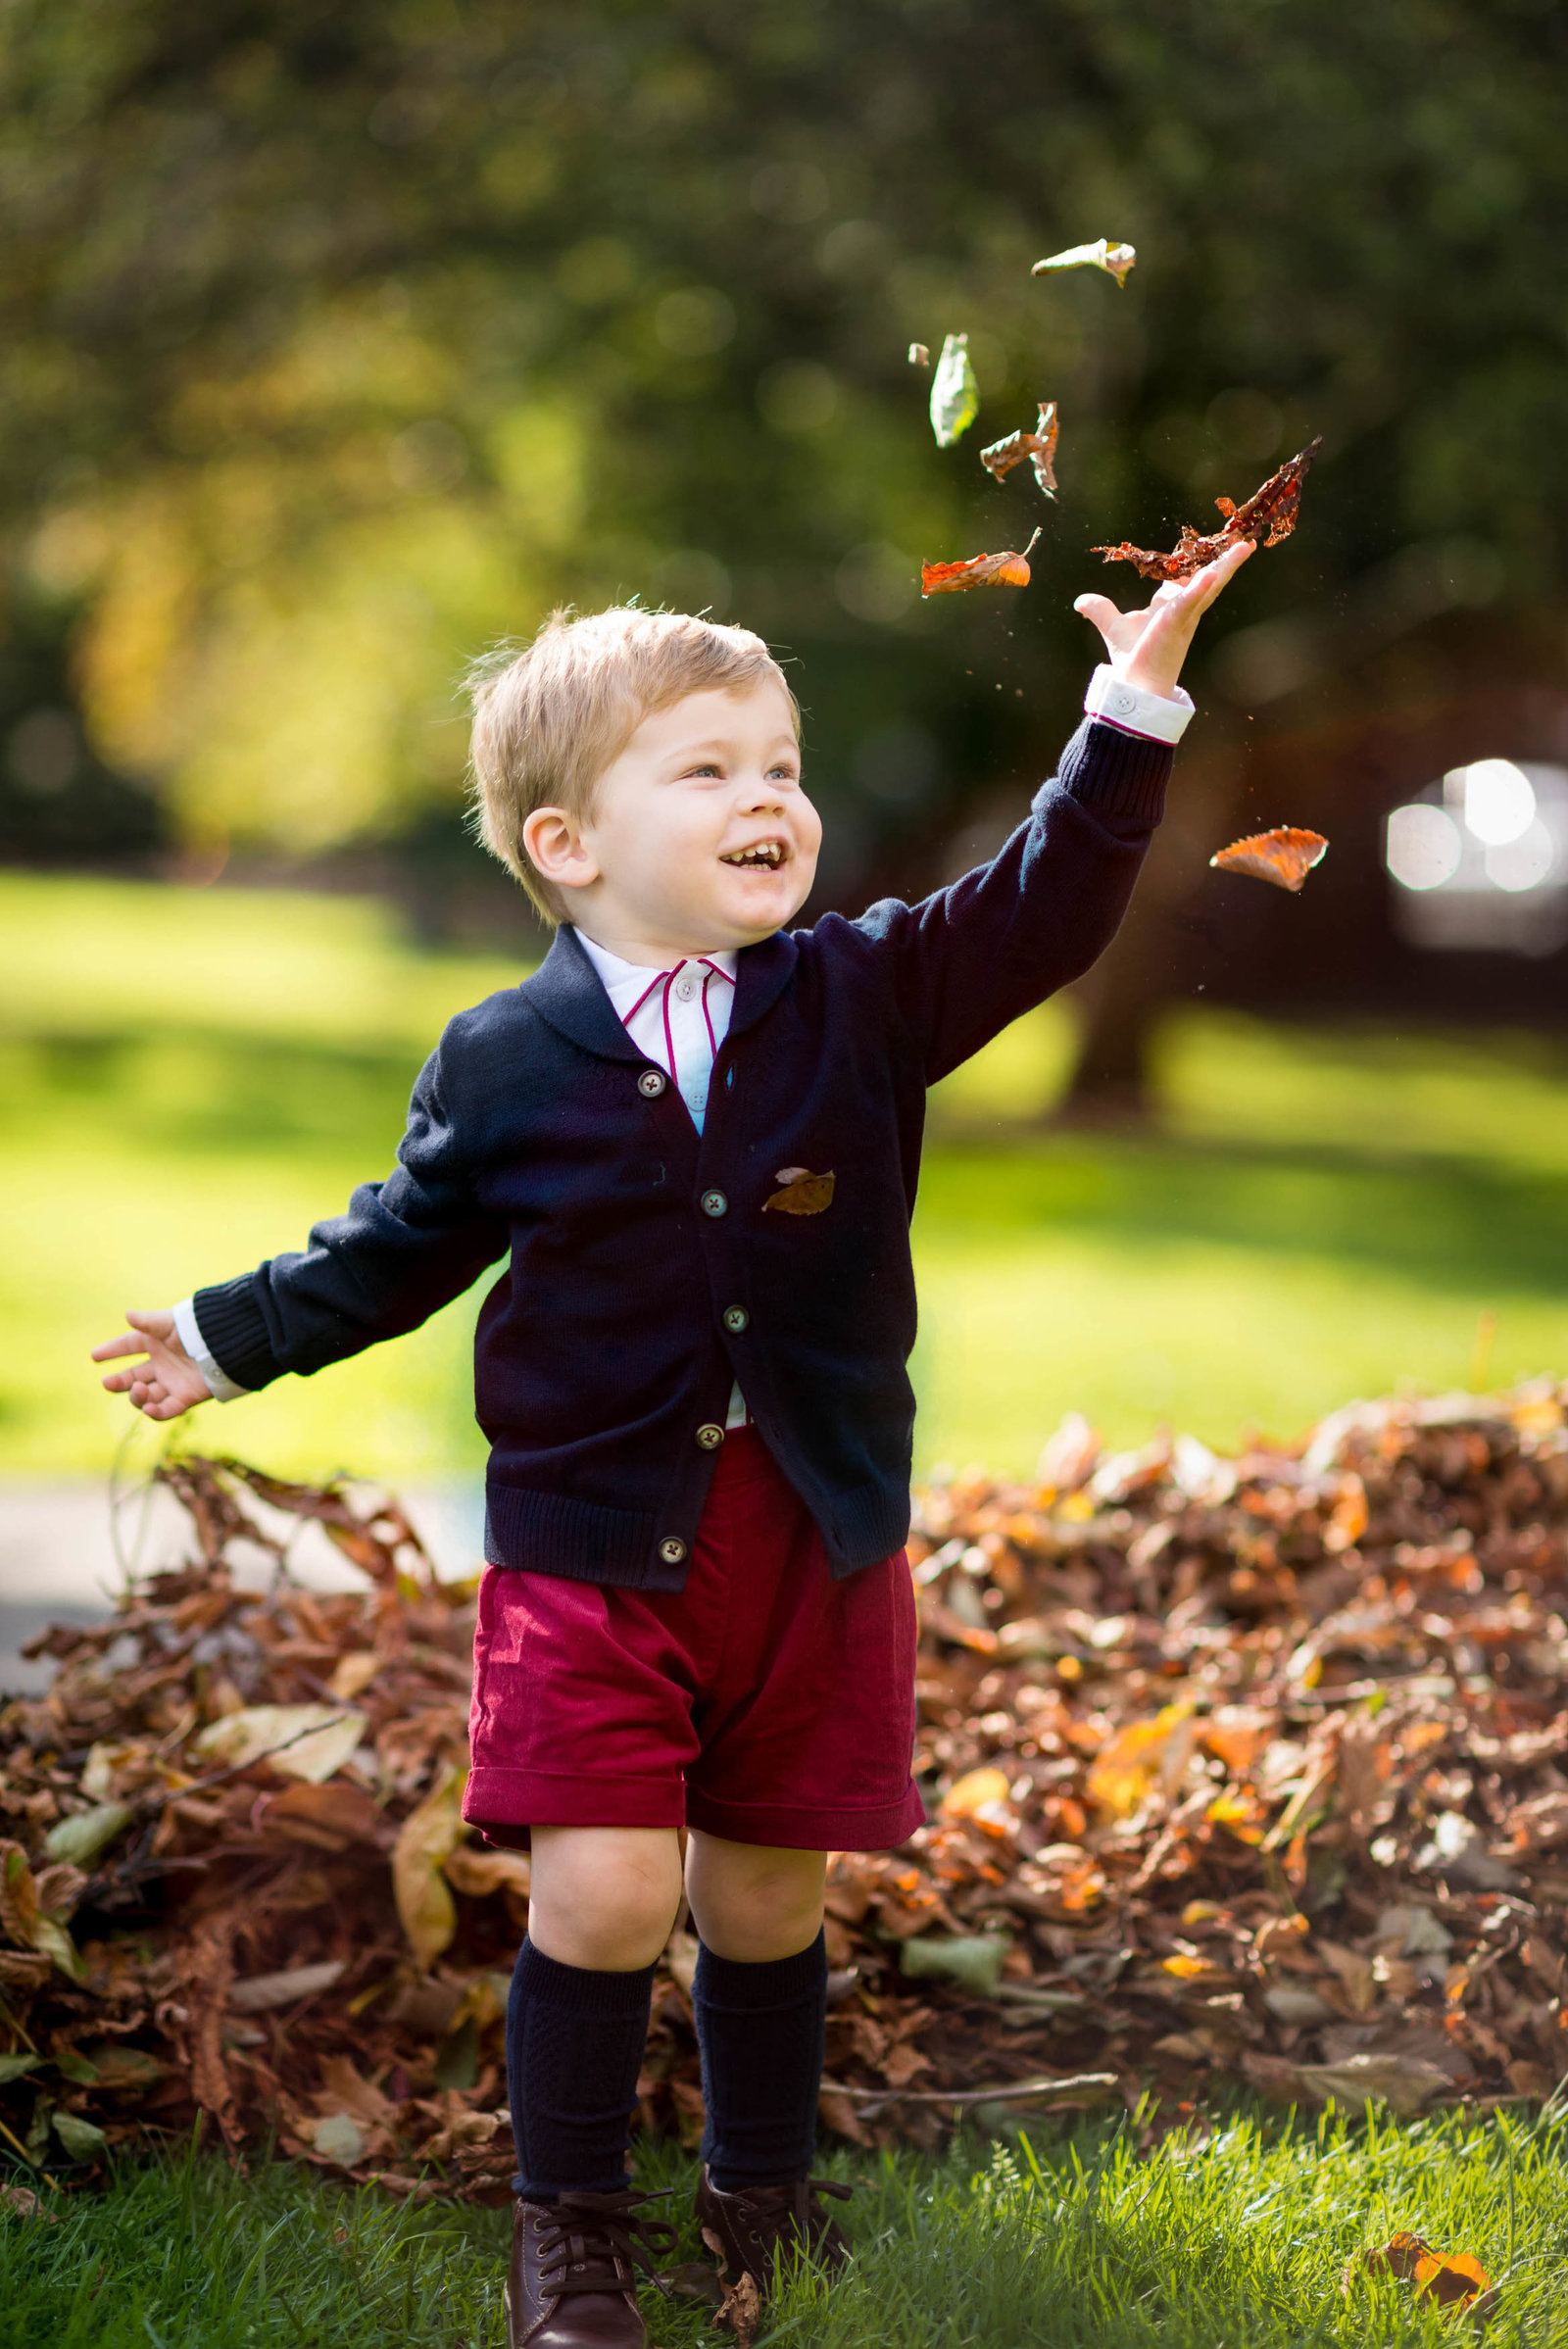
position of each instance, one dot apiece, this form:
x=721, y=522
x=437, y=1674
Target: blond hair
x=550, y=719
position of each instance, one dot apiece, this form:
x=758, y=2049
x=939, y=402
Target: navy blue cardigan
x=645, y=1273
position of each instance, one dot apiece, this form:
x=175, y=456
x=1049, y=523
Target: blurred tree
x=335, y=342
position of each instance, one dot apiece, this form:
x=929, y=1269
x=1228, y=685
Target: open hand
x=167, y=1382
x=1148, y=648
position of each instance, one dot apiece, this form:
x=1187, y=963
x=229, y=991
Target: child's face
x=700, y=837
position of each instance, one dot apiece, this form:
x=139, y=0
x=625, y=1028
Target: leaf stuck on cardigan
x=800, y=1192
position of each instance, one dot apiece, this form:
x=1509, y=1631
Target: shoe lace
x=798, y=2201
x=596, y=2242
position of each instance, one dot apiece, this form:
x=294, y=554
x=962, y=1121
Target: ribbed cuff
x=617, y=1997
x=234, y=1333
x=1116, y=773
x=745, y=1987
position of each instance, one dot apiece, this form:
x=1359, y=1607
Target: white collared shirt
x=679, y=1017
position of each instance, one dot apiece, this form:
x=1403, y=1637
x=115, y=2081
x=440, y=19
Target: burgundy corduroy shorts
x=763, y=1702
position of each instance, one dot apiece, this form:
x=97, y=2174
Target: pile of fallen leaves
x=1239, y=1769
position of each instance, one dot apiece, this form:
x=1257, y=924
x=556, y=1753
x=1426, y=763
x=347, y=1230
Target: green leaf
x=15, y=2067
x=972, y=1959
x=83, y=2140
x=955, y=392
x=77, y=2067
x=80, y=1838
x=457, y=2059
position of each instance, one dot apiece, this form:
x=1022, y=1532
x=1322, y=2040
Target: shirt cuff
x=188, y=1329
x=1134, y=710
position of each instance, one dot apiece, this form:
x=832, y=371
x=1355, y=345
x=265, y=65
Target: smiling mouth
x=765, y=856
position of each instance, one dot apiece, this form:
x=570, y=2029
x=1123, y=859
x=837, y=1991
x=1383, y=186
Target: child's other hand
x=167, y=1382
x=1148, y=648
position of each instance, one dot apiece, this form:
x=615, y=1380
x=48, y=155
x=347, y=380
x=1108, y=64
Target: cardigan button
x=651, y=1084
x=711, y=1437
x=672, y=1549
x=736, y=1319
x=713, y=1203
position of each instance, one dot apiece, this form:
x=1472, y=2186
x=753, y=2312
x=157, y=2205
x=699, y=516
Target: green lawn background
x=189, y=1077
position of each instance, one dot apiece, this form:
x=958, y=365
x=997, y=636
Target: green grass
x=189, y=1078
x=1076, y=2241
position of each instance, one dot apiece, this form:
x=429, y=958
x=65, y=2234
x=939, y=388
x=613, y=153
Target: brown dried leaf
x=801, y=1192
x=1268, y=516
x=1007, y=569
x=427, y=1837
x=1039, y=445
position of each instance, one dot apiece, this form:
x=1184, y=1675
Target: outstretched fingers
x=1204, y=585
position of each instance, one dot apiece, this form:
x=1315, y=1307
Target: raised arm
x=974, y=957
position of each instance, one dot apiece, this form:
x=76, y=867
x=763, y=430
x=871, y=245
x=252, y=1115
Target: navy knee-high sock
x=759, y=2029
x=575, y=2047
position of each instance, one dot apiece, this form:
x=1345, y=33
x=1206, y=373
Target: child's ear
x=554, y=846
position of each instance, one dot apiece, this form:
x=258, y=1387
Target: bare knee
x=751, y=1903
x=604, y=1897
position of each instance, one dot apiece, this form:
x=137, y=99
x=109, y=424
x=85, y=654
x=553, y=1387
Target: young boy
x=698, y=1133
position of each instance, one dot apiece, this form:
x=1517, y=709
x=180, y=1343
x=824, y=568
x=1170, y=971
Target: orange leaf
x=971, y=1792
x=1400, y=2256
x=1007, y=569
x=1284, y=856
x=1453, y=2278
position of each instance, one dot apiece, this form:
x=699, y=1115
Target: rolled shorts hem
x=809, y=1826
x=521, y=1798
x=502, y=1803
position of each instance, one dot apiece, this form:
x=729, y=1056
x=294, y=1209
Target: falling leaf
x=1284, y=856
x=954, y=393
x=919, y=356
x=431, y=1832
x=1114, y=260
x=297, y=1740
x=800, y=1192
x=1038, y=445
x=1007, y=569
x=1269, y=514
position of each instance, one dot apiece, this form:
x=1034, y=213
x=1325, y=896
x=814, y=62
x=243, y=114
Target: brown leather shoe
x=760, y=2229
x=572, y=2282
